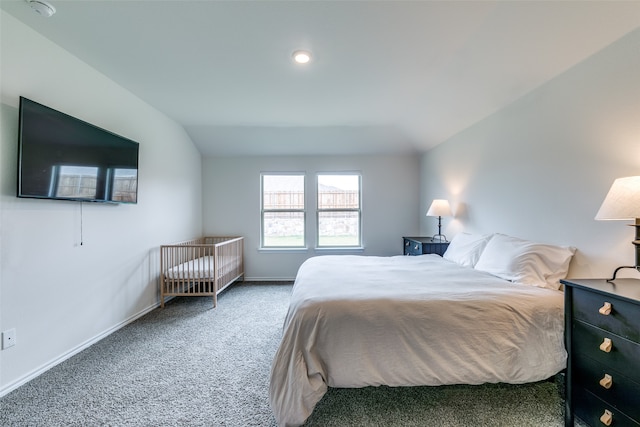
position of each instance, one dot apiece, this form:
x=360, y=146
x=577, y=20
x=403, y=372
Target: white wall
x=540, y=168
x=57, y=294
x=390, y=204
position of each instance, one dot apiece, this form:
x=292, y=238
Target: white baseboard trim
x=8, y=388
x=45, y=367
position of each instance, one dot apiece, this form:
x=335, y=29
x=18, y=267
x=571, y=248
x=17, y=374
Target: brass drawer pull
x=605, y=310
x=606, y=345
x=606, y=381
x=606, y=418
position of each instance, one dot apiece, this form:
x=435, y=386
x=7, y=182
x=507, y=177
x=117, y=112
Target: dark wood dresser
x=602, y=336
x=423, y=245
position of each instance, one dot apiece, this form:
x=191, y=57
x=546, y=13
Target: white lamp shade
x=439, y=207
x=622, y=201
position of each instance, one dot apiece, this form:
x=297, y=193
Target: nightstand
x=423, y=245
x=602, y=336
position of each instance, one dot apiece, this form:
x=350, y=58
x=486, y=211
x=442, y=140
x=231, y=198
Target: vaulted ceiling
x=385, y=76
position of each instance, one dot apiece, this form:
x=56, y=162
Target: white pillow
x=525, y=262
x=465, y=248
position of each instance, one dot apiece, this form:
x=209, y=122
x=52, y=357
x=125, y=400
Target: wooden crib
x=200, y=267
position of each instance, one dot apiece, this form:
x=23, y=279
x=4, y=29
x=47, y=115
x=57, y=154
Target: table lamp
x=623, y=203
x=439, y=208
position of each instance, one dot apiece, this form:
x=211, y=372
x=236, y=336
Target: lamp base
x=636, y=243
x=637, y=267
x=439, y=238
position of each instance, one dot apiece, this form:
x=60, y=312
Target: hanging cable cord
x=81, y=238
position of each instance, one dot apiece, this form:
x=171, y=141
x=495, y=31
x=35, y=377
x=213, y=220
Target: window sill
x=283, y=250
x=333, y=250
x=339, y=250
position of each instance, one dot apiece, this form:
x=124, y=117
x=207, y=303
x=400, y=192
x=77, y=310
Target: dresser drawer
x=624, y=354
x=589, y=408
x=412, y=247
x=434, y=248
x=623, y=393
x=423, y=245
x=623, y=319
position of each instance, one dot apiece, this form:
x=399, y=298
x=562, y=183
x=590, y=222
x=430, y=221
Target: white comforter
x=357, y=321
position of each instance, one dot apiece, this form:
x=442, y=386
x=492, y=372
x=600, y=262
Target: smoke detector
x=44, y=8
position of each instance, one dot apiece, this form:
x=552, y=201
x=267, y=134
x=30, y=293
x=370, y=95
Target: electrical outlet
x=8, y=338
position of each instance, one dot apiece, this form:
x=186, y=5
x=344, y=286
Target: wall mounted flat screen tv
x=64, y=158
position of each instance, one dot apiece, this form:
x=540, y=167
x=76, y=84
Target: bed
x=200, y=267
x=357, y=321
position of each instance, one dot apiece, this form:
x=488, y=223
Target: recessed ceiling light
x=301, y=56
x=44, y=8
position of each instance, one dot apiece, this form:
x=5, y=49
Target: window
x=93, y=182
x=124, y=187
x=339, y=213
x=75, y=181
x=283, y=214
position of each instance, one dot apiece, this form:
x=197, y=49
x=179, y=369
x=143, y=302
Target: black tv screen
x=64, y=158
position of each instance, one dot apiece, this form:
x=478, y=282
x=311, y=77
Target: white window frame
x=320, y=210
x=263, y=211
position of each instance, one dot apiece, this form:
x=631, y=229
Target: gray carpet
x=191, y=365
